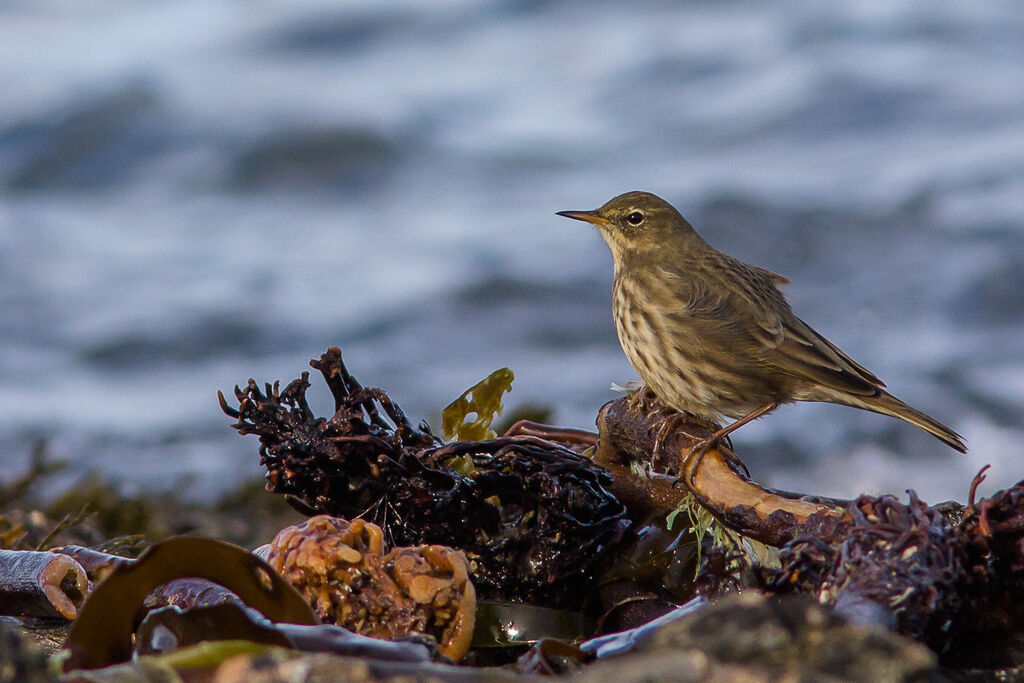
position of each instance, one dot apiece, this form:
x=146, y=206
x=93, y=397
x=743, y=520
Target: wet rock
x=752, y=637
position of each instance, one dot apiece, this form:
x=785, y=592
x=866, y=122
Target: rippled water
x=195, y=193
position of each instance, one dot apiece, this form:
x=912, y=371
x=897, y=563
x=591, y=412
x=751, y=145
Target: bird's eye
x=635, y=218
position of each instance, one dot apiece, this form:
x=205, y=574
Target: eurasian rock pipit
x=714, y=336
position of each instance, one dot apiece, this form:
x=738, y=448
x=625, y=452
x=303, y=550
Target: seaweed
x=102, y=634
x=534, y=516
x=483, y=400
x=890, y=563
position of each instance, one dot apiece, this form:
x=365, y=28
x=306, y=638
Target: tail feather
x=887, y=404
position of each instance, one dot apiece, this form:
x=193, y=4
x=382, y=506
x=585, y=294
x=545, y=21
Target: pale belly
x=680, y=370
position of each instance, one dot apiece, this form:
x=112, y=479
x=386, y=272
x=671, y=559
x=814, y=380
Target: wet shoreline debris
x=509, y=551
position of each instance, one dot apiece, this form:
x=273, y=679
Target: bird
x=715, y=337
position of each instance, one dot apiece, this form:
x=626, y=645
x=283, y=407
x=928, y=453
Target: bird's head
x=637, y=223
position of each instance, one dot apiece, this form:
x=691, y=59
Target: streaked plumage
x=714, y=336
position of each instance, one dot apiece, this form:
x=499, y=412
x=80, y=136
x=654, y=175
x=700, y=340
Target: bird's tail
x=887, y=404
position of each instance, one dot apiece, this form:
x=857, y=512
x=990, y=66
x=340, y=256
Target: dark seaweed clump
x=535, y=517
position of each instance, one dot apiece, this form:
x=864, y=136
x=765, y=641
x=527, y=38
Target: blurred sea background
x=195, y=193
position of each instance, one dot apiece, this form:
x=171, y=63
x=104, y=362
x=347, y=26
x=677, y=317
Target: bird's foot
x=659, y=438
x=670, y=423
x=643, y=395
x=700, y=449
x=697, y=451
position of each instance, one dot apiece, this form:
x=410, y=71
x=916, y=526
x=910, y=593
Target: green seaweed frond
x=482, y=401
x=704, y=524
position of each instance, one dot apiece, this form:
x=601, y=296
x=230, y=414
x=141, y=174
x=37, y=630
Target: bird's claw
x=698, y=451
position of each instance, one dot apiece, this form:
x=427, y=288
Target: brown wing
x=745, y=311
x=804, y=353
x=792, y=345
x=774, y=278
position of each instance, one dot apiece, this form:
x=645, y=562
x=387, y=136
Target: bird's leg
x=663, y=429
x=700, y=449
x=673, y=419
x=645, y=396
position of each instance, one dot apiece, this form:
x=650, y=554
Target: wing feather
x=747, y=310
x=806, y=354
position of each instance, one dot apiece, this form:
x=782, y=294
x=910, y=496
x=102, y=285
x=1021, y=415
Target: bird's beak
x=588, y=216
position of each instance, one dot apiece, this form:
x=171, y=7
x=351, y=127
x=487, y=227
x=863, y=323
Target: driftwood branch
x=629, y=430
